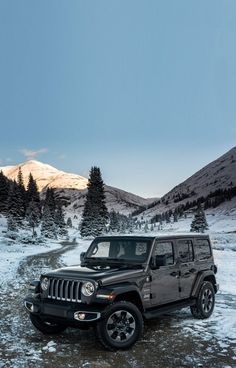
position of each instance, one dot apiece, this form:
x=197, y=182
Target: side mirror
x=153, y=264
x=158, y=261
x=82, y=255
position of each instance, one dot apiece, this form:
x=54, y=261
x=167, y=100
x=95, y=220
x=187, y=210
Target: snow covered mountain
x=45, y=175
x=71, y=188
x=219, y=174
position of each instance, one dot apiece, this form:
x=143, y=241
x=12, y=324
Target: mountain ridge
x=219, y=174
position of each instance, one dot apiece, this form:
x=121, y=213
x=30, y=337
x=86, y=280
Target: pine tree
x=146, y=227
x=4, y=189
x=95, y=214
x=33, y=215
x=167, y=217
x=123, y=225
x=32, y=193
x=114, y=222
x=175, y=216
x=50, y=201
x=11, y=224
x=15, y=204
x=60, y=221
x=48, y=228
x=199, y=223
x=69, y=222
x=130, y=224
x=21, y=189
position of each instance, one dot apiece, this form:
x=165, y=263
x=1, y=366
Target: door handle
x=174, y=274
x=188, y=272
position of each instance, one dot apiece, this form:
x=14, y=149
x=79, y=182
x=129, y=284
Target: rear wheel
x=121, y=326
x=205, y=301
x=48, y=328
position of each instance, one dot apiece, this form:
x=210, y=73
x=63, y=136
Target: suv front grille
x=66, y=290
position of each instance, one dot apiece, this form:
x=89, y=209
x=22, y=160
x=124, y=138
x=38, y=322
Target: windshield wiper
x=121, y=262
x=98, y=261
x=125, y=261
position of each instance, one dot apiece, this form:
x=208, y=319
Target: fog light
x=79, y=316
x=29, y=306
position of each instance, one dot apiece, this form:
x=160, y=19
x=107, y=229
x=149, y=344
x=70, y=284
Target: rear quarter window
x=202, y=249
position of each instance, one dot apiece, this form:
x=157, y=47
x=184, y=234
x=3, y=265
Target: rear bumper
x=67, y=313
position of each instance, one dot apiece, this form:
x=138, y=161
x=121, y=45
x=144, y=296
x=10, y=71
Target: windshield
x=119, y=250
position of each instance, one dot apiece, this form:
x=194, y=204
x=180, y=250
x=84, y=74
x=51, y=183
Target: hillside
x=220, y=174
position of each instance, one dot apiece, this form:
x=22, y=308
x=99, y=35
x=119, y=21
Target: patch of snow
x=12, y=254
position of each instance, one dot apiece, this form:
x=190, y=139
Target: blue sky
x=143, y=89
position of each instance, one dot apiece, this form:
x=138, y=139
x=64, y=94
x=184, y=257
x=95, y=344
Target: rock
x=51, y=343
x=52, y=349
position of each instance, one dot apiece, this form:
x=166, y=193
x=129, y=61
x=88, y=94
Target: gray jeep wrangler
x=123, y=280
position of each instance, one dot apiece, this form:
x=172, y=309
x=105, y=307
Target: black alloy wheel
x=205, y=301
x=121, y=325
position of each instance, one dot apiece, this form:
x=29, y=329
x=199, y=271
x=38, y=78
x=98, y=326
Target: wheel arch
x=211, y=279
x=204, y=276
x=131, y=296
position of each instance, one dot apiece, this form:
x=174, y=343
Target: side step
x=153, y=313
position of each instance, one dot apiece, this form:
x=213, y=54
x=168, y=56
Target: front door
x=165, y=279
x=188, y=271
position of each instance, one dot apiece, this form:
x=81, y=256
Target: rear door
x=165, y=279
x=188, y=271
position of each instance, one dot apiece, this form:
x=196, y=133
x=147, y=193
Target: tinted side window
x=164, y=250
x=202, y=249
x=185, y=250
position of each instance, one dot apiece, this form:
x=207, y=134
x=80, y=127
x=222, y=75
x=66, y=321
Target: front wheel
x=120, y=326
x=47, y=328
x=205, y=301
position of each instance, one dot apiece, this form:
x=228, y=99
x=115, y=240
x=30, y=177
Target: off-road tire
x=46, y=327
x=205, y=301
x=120, y=326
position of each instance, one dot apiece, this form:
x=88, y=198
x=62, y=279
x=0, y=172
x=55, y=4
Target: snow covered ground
x=12, y=254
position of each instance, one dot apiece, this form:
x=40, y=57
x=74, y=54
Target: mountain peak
x=45, y=175
x=34, y=162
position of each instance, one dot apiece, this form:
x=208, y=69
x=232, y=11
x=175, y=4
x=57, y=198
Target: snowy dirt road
x=174, y=340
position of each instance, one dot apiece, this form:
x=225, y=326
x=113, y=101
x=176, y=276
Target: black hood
x=109, y=275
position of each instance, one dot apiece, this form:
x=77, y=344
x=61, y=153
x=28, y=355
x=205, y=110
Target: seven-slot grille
x=68, y=290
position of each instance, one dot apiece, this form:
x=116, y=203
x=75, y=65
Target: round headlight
x=44, y=283
x=87, y=288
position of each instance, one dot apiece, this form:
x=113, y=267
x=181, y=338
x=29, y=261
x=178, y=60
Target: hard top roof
x=158, y=236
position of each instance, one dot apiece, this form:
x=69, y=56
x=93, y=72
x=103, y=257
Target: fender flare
x=199, y=280
x=117, y=290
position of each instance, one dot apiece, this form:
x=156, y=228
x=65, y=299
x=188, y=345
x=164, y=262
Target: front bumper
x=68, y=313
